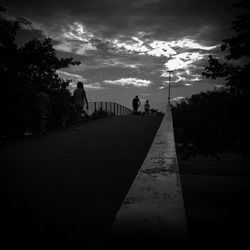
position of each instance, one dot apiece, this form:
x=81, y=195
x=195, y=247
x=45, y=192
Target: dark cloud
x=204, y=20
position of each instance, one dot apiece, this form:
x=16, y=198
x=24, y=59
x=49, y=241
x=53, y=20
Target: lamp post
x=169, y=76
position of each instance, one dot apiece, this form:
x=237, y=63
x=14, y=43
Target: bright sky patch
x=129, y=82
x=73, y=77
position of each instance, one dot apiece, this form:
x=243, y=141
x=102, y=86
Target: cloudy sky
x=127, y=47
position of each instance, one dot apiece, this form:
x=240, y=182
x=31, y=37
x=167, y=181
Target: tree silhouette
x=8, y=48
x=212, y=122
x=39, y=64
x=23, y=71
x=8, y=30
x=235, y=67
x=31, y=66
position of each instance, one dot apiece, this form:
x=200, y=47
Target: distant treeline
x=213, y=121
x=219, y=120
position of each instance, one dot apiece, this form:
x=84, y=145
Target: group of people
x=136, y=103
x=79, y=99
x=43, y=106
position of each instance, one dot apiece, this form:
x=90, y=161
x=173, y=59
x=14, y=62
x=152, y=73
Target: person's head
x=147, y=101
x=80, y=85
x=136, y=96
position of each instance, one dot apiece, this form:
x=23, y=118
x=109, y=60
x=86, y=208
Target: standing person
x=146, y=107
x=136, y=103
x=79, y=100
x=65, y=104
x=43, y=108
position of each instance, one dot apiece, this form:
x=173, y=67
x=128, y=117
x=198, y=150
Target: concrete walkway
x=68, y=185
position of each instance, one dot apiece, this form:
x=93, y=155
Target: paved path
x=68, y=185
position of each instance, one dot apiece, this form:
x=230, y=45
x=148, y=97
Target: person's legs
x=79, y=110
x=135, y=109
x=36, y=126
x=43, y=124
x=65, y=116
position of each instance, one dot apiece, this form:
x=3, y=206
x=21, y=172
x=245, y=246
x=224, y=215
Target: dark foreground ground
x=217, y=199
x=67, y=186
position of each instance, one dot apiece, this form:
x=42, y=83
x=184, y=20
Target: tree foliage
x=213, y=121
x=38, y=64
x=23, y=72
x=8, y=30
x=236, y=65
x=30, y=67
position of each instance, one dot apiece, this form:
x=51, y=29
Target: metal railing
x=110, y=108
x=19, y=118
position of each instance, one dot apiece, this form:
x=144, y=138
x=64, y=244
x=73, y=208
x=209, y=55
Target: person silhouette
x=65, y=104
x=146, y=107
x=80, y=99
x=136, y=103
x=42, y=108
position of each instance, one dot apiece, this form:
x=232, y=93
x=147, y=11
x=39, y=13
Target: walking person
x=80, y=99
x=147, y=107
x=42, y=109
x=136, y=103
x=65, y=104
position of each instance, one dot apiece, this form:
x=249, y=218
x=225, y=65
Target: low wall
x=153, y=207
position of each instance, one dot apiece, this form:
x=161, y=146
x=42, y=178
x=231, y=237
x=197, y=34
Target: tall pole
x=169, y=76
